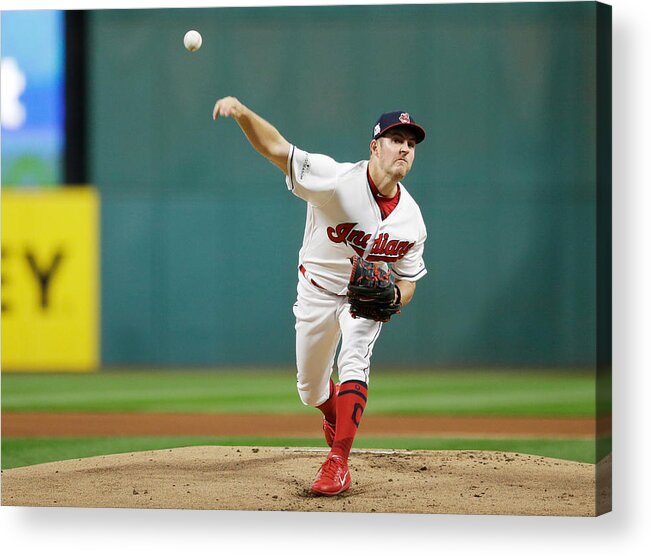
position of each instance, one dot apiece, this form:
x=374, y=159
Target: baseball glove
x=371, y=292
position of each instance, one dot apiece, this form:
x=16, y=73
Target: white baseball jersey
x=343, y=219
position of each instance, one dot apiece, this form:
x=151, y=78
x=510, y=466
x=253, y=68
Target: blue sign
x=33, y=97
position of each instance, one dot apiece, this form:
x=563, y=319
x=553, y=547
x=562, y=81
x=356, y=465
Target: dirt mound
x=246, y=478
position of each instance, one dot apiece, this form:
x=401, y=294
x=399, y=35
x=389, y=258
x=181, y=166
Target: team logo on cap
x=376, y=129
x=404, y=118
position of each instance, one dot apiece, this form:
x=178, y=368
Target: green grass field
x=453, y=393
x=508, y=393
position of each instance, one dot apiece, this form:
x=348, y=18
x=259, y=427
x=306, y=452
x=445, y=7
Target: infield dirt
x=26, y=424
x=250, y=478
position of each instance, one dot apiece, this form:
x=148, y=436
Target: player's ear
x=373, y=146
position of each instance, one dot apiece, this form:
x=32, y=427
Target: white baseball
x=192, y=40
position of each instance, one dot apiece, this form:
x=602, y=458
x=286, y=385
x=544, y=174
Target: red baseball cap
x=390, y=120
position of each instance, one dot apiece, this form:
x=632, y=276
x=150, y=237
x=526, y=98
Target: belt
x=304, y=273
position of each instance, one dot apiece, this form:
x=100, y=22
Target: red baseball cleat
x=333, y=478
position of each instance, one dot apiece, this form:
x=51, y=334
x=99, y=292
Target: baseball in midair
x=192, y=40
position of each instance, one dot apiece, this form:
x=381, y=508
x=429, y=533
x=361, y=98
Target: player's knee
x=309, y=395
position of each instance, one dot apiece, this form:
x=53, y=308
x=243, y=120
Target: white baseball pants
x=322, y=320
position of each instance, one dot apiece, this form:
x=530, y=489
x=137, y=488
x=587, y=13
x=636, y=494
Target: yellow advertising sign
x=50, y=275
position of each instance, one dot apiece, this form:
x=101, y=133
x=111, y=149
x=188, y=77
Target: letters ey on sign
x=50, y=255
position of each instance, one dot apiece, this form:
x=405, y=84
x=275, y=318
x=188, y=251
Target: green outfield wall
x=200, y=236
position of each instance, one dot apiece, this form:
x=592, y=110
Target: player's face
x=395, y=151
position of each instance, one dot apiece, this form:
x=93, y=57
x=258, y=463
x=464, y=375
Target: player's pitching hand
x=228, y=107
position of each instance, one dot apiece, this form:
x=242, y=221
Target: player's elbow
x=277, y=153
x=278, y=149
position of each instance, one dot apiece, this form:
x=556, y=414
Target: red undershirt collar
x=386, y=204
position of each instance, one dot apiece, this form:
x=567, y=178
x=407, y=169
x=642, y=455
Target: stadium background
x=512, y=181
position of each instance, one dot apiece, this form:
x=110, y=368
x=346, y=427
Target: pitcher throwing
x=362, y=254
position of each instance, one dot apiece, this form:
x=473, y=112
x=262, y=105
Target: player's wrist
x=238, y=111
x=398, y=295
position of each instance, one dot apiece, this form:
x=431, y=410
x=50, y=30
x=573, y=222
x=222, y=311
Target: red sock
x=329, y=407
x=351, y=402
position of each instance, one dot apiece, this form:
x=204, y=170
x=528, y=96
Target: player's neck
x=387, y=185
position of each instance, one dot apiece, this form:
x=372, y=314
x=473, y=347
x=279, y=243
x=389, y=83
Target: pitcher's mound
x=246, y=478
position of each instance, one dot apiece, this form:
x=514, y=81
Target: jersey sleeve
x=312, y=177
x=412, y=266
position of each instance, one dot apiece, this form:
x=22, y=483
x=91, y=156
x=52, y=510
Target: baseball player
x=358, y=214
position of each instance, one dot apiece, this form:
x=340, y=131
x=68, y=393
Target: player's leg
x=317, y=336
x=329, y=410
x=354, y=363
x=358, y=339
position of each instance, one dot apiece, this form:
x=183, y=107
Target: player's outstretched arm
x=264, y=137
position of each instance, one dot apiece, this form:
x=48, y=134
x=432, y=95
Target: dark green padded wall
x=200, y=236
